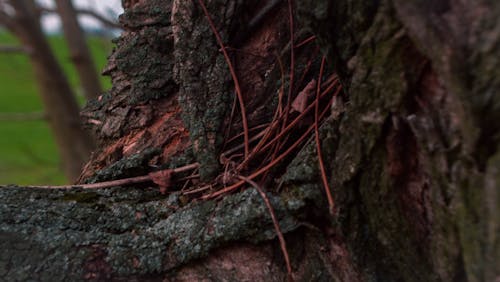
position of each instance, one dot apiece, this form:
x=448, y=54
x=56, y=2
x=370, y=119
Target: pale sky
x=109, y=8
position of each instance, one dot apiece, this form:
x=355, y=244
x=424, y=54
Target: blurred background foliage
x=28, y=154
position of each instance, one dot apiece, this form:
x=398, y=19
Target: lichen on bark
x=140, y=114
x=410, y=152
x=128, y=232
x=203, y=75
x=411, y=90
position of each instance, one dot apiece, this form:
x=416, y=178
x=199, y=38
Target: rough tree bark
x=411, y=151
x=79, y=50
x=73, y=142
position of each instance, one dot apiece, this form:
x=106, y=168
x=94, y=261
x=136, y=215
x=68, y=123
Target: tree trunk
x=79, y=50
x=409, y=146
x=62, y=110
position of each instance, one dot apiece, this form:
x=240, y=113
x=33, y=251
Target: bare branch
x=88, y=12
x=104, y=20
x=120, y=182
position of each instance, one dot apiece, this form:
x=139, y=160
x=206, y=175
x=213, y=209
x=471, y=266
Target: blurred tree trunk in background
x=79, y=50
x=62, y=110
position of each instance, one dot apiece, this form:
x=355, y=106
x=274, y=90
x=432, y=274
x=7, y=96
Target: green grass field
x=27, y=151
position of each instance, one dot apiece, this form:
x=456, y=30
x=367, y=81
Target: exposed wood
x=119, y=182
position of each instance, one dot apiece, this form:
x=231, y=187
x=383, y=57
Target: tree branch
x=88, y=12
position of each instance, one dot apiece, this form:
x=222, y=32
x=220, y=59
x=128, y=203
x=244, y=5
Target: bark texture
x=410, y=147
x=414, y=153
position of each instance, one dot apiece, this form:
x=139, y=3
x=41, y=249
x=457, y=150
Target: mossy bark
x=411, y=170
x=130, y=233
x=410, y=148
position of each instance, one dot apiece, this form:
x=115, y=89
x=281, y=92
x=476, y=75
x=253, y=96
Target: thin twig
x=292, y=63
x=229, y=126
x=295, y=121
x=305, y=41
x=324, y=178
x=233, y=74
x=88, y=12
x=271, y=164
x=251, y=130
x=188, y=179
x=292, y=74
x=194, y=175
x=308, y=66
x=279, y=141
x=240, y=146
x=194, y=191
x=275, y=121
x=279, y=233
x=282, y=86
x=291, y=125
x=292, y=56
x=113, y=183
